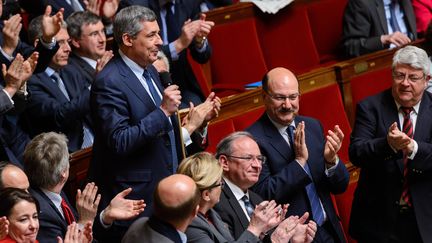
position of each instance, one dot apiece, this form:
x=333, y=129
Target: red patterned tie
x=408, y=129
x=67, y=212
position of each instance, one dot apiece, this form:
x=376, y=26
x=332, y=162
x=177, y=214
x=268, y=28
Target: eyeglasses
x=221, y=184
x=401, y=77
x=250, y=158
x=282, y=98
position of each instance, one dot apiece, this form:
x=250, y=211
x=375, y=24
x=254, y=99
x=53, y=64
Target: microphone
x=165, y=79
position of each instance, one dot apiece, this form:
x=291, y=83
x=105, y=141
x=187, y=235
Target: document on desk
x=270, y=6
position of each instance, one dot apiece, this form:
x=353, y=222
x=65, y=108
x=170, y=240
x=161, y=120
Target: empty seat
x=325, y=17
x=325, y=104
x=370, y=83
x=237, y=58
x=217, y=131
x=243, y=121
x=287, y=40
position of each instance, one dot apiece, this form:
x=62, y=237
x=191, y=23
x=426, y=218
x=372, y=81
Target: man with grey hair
x=391, y=143
x=137, y=140
x=59, y=97
x=241, y=161
x=46, y=163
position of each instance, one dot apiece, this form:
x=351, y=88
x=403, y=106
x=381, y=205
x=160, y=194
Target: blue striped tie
x=157, y=100
x=317, y=212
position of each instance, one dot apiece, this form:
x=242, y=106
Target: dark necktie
x=317, y=212
x=173, y=27
x=290, y=131
x=57, y=79
x=157, y=100
x=248, y=205
x=67, y=212
x=393, y=19
x=408, y=129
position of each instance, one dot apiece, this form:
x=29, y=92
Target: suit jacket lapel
x=235, y=205
x=379, y=4
x=275, y=139
x=221, y=232
x=390, y=115
x=51, y=86
x=59, y=217
x=133, y=83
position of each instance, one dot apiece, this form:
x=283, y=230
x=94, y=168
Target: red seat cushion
x=217, y=131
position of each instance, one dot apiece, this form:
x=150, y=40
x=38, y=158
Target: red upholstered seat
x=325, y=17
x=199, y=75
x=237, y=58
x=370, y=83
x=325, y=104
x=344, y=203
x=287, y=40
x=217, y=131
x=245, y=120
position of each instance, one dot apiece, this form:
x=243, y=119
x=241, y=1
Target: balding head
x=176, y=199
x=13, y=176
x=281, y=95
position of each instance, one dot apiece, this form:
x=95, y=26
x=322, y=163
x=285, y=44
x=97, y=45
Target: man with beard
x=302, y=166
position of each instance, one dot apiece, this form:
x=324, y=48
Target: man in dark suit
x=176, y=203
x=88, y=42
x=239, y=176
x=302, y=166
x=46, y=163
x=137, y=140
x=60, y=99
x=391, y=143
x=372, y=25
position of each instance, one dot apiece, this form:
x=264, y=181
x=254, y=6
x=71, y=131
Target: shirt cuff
x=203, y=47
x=414, y=152
x=50, y=45
x=10, y=98
x=186, y=137
x=330, y=171
x=106, y=226
x=10, y=58
x=173, y=52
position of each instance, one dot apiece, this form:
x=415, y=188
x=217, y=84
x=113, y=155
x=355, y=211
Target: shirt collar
x=49, y=71
x=54, y=197
x=415, y=108
x=281, y=128
x=183, y=236
x=90, y=61
x=136, y=69
x=237, y=191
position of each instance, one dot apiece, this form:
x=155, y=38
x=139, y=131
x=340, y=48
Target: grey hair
x=413, y=57
x=77, y=20
x=161, y=56
x=35, y=28
x=225, y=145
x=129, y=21
x=46, y=157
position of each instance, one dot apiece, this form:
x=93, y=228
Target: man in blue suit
x=391, y=143
x=60, y=98
x=303, y=167
x=137, y=140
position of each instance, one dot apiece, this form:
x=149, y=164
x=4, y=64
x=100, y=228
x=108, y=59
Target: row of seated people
x=290, y=161
x=299, y=39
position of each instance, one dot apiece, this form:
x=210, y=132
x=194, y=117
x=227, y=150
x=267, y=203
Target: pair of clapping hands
x=268, y=215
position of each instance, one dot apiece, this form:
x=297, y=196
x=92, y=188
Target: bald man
x=302, y=166
x=176, y=200
x=12, y=176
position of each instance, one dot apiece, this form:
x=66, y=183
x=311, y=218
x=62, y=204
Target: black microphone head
x=165, y=79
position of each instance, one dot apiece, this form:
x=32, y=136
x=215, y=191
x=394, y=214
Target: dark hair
x=176, y=213
x=9, y=197
x=265, y=82
x=77, y=20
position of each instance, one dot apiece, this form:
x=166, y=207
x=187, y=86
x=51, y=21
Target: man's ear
x=223, y=161
x=75, y=43
x=127, y=40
